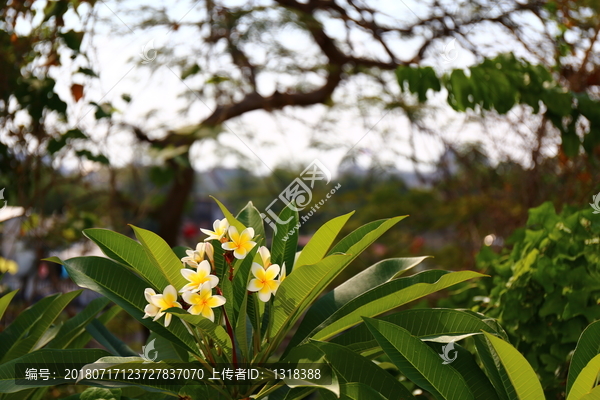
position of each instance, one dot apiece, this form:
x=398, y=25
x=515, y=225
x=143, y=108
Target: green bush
x=545, y=288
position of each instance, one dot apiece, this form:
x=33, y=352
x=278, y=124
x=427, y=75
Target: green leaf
x=128, y=364
x=249, y=216
x=241, y=276
x=522, y=377
x=162, y=256
x=128, y=252
x=81, y=339
x=422, y=323
x=467, y=366
x=389, y=296
x=593, y=395
x=418, y=362
x=360, y=391
x=494, y=369
x=100, y=394
x=587, y=348
x=283, y=249
x=352, y=368
x=243, y=330
x=126, y=289
x=112, y=343
x=5, y=301
x=53, y=359
x=343, y=245
x=321, y=241
x=586, y=380
x=331, y=302
x=230, y=218
x=36, y=331
x=300, y=289
x=214, y=331
x=76, y=325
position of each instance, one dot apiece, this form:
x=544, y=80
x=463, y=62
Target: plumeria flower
x=203, y=302
x=195, y=257
x=264, y=282
x=241, y=243
x=161, y=302
x=220, y=229
x=198, y=277
x=150, y=310
x=265, y=255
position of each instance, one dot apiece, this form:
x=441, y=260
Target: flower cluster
x=198, y=266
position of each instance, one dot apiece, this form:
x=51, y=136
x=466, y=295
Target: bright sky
x=271, y=141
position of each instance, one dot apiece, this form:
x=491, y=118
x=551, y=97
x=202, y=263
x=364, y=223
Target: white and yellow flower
x=198, y=277
x=241, y=243
x=203, y=302
x=220, y=229
x=160, y=303
x=195, y=257
x=150, y=310
x=265, y=256
x=264, y=281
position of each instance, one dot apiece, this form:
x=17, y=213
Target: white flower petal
x=148, y=293
x=255, y=285
x=264, y=295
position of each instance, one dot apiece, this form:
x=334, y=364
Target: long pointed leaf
x=418, y=362
x=351, y=367
x=5, y=301
x=317, y=247
x=162, y=256
x=76, y=325
x=387, y=297
x=366, y=280
x=230, y=218
x=587, y=348
x=422, y=323
x=586, y=380
x=522, y=377
x=301, y=288
x=112, y=343
x=128, y=252
x=285, y=242
x=126, y=289
x=40, y=327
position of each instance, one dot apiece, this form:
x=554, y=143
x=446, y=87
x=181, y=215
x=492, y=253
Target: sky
x=264, y=140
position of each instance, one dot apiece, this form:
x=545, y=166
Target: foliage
x=545, y=289
x=40, y=336
x=248, y=328
x=502, y=82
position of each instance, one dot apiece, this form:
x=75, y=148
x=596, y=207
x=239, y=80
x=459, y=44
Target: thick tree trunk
x=171, y=212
